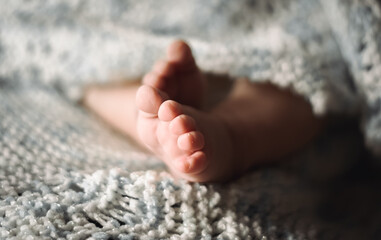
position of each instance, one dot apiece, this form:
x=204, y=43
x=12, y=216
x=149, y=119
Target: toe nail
x=189, y=164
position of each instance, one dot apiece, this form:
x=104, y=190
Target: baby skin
x=256, y=123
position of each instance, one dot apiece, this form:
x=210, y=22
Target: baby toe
x=192, y=164
x=191, y=141
x=182, y=124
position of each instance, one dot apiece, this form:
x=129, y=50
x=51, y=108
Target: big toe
x=149, y=99
x=180, y=53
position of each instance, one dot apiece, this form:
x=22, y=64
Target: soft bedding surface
x=65, y=175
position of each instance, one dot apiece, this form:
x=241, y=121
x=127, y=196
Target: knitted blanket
x=64, y=174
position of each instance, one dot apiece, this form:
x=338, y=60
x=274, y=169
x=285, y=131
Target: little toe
x=197, y=162
x=169, y=110
x=182, y=124
x=191, y=141
x=192, y=164
x=149, y=99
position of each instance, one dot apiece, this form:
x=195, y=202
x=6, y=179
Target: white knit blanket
x=65, y=175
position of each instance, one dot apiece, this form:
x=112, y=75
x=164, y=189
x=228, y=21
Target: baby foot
x=254, y=123
x=183, y=137
x=178, y=76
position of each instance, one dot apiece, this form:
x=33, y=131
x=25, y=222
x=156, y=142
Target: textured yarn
x=65, y=175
